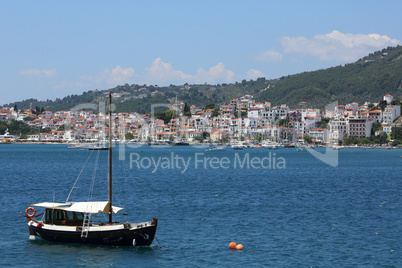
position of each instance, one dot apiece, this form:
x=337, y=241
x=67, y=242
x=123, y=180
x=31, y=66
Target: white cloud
x=114, y=77
x=162, y=72
x=214, y=74
x=254, y=74
x=336, y=45
x=271, y=55
x=159, y=73
x=39, y=73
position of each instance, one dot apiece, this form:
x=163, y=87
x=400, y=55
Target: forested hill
x=368, y=79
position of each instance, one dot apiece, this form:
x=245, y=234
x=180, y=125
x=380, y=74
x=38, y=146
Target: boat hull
x=122, y=237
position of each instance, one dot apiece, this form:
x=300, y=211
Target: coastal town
x=242, y=121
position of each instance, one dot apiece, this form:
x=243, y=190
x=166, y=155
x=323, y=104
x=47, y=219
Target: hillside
x=139, y=98
x=368, y=79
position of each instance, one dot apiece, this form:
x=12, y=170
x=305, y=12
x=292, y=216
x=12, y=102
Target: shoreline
x=256, y=147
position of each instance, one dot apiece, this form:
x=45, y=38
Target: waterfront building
x=338, y=129
x=319, y=135
x=391, y=113
x=359, y=127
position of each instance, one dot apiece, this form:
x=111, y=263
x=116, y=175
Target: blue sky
x=52, y=49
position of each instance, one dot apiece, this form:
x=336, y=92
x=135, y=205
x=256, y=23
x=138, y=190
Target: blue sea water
x=287, y=208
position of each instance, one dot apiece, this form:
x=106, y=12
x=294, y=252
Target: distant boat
x=98, y=147
x=301, y=148
x=238, y=146
x=179, y=143
x=70, y=222
x=216, y=148
x=271, y=146
x=77, y=145
x=290, y=145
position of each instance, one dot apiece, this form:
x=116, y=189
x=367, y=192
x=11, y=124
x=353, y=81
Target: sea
x=287, y=208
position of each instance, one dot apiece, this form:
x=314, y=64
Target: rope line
x=78, y=176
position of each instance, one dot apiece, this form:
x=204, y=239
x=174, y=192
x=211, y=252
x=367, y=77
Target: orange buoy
x=30, y=215
x=232, y=245
x=239, y=247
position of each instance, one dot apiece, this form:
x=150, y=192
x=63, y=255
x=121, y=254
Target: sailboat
x=70, y=222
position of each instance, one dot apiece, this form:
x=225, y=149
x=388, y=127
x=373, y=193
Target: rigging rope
x=91, y=190
x=78, y=176
x=159, y=243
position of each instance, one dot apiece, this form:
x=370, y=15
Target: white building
x=390, y=114
x=40, y=137
x=281, y=111
x=338, y=129
x=388, y=98
x=319, y=135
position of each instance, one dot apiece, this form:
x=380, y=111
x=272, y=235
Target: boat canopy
x=85, y=207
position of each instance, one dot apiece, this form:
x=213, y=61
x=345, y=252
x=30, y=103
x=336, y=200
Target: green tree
x=197, y=138
x=216, y=112
x=17, y=128
x=186, y=110
x=397, y=142
x=258, y=137
x=3, y=129
x=166, y=116
x=376, y=127
x=307, y=138
x=350, y=140
x=382, y=104
x=129, y=136
x=396, y=133
x=283, y=122
x=324, y=122
x=365, y=140
x=381, y=139
x=210, y=106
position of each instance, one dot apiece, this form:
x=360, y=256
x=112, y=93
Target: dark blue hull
x=125, y=237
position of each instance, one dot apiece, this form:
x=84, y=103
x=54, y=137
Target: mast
x=110, y=159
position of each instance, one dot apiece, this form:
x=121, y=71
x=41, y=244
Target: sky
x=51, y=49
